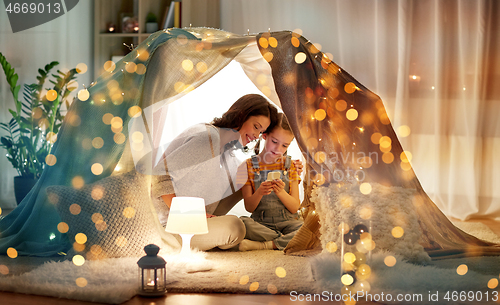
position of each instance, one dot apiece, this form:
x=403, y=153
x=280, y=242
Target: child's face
x=277, y=142
x=252, y=128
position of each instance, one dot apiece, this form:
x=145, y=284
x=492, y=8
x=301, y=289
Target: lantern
x=152, y=273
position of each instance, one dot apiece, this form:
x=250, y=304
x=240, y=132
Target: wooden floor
x=7, y=298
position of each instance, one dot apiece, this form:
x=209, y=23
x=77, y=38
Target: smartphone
x=273, y=176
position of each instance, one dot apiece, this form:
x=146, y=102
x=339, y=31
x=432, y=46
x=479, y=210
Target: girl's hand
x=278, y=186
x=299, y=166
x=210, y=215
x=265, y=188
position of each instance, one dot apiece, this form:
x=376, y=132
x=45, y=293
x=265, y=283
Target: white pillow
x=381, y=210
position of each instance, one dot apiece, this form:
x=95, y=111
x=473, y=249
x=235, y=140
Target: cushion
x=109, y=218
x=387, y=212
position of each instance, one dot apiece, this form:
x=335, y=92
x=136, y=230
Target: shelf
x=107, y=12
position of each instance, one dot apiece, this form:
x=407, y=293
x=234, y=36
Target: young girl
x=273, y=203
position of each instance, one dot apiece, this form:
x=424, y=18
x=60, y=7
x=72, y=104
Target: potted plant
x=32, y=131
x=151, y=23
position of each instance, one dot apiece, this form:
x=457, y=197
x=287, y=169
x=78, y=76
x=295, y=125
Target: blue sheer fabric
x=315, y=95
x=31, y=228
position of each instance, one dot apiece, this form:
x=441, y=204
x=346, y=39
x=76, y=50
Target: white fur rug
x=115, y=281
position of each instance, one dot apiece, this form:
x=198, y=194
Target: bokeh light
x=403, y=131
x=11, y=252
x=351, y=114
x=388, y=157
x=83, y=95
x=51, y=95
x=81, y=282
x=121, y=241
x=365, y=213
x=244, y=280
x=134, y=111
x=109, y=66
x=397, y=232
x=51, y=160
x=4, y=270
x=349, y=257
x=201, y=67
x=280, y=272
x=268, y=56
x=75, y=209
x=320, y=114
x=97, y=142
x=300, y=57
x=78, y=260
x=365, y=188
x=263, y=43
x=129, y=212
x=77, y=182
x=341, y=105
x=390, y=261
x=119, y=138
x=343, y=228
x=272, y=289
x=273, y=42
x=254, y=286
x=81, y=68
x=493, y=283
x=51, y=137
x=347, y=279
x=406, y=156
x=130, y=67
x=187, y=65
x=462, y=269
x=97, y=192
x=350, y=88
x=62, y=227
x=331, y=247
x=97, y=169
x=81, y=238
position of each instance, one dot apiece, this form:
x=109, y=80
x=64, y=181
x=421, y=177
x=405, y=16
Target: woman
x=201, y=162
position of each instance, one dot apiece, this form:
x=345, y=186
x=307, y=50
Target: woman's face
x=252, y=128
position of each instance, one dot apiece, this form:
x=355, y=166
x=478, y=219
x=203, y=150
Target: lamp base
x=186, y=243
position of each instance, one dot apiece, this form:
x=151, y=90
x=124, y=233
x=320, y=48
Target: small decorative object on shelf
x=111, y=28
x=129, y=23
x=151, y=23
x=152, y=273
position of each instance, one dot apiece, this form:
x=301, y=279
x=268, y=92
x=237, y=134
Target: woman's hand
x=299, y=166
x=278, y=186
x=265, y=188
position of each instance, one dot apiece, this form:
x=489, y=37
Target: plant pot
x=151, y=27
x=22, y=186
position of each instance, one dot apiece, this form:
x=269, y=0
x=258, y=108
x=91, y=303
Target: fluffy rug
x=114, y=281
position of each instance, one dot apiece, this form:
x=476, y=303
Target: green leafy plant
x=32, y=131
x=151, y=17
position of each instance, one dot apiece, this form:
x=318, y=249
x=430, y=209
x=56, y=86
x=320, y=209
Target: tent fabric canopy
x=340, y=126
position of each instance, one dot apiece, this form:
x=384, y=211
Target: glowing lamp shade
x=187, y=217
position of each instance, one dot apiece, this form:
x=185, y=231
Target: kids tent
x=94, y=189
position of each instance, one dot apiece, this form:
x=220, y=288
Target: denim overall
x=271, y=220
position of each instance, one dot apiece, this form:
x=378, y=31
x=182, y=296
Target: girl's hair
x=282, y=122
x=245, y=107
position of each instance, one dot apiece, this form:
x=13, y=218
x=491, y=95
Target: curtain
x=435, y=64
x=67, y=39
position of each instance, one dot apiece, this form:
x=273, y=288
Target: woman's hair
x=245, y=107
x=282, y=122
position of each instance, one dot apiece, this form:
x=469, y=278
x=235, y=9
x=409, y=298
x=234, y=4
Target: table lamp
x=187, y=217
